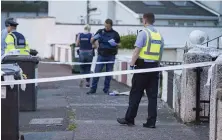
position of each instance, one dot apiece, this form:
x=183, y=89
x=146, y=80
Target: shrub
x=127, y=41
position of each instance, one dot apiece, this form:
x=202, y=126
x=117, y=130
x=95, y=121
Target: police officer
x=147, y=54
x=108, y=40
x=4, y=33
x=85, y=52
x=15, y=40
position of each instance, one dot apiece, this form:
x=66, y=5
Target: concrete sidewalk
x=65, y=112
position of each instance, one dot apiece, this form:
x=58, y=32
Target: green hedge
x=127, y=41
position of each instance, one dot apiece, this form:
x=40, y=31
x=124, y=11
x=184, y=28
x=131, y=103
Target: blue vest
x=85, y=41
x=105, y=37
x=19, y=39
x=105, y=48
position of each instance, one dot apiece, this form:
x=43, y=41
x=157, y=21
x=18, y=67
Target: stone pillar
x=177, y=91
x=216, y=104
x=164, y=86
x=188, y=89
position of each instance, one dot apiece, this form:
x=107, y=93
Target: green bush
x=127, y=41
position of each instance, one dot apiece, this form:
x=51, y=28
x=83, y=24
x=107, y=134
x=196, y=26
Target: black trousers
x=141, y=82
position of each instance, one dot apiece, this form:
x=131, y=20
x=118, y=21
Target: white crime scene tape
x=76, y=63
x=53, y=79
x=90, y=63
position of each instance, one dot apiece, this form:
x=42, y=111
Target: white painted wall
x=71, y=11
x=112, y=15
x=102, y=9
x=5, y=15
x=68, y=11
x=125, y=17
x=38, y=32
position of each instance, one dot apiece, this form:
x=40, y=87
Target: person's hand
x=78, y=51
x=33, y=52
x=24, y=76
x=112, y=42
x=97, y=36
x=132, y=67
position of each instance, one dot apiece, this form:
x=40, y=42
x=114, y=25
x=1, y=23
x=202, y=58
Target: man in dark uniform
x=147, y=54
x=108, y=40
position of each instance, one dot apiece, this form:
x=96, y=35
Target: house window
x=191, y=23
x=171, y=22
x=82, y=21
x=182, y=3
x=180, y=23
x=141, y=20
x=152, y=3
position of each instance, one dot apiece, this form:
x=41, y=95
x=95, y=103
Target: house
x=168, y=13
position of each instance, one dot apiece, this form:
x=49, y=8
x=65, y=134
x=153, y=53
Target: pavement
x=65, y=112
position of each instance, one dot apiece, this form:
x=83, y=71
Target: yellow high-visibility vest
x=14, y=41
x=154, y=45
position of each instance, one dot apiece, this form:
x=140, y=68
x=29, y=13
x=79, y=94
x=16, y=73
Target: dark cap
x=10, y=22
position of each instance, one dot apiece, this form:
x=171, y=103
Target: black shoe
x=87, y=84
x=151, y=123
x=124, y=121
x=106, y=91
x=91, y=92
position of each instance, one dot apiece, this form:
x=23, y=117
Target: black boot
x=91, y=91
x=124, y=121
x=151, y=123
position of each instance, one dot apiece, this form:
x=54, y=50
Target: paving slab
x=98, y=131
x=63, y=135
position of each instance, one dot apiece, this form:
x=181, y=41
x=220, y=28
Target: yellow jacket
x=16, y=41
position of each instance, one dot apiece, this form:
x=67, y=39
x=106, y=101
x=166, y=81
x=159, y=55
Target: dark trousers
x=99, y=68
x=141, y=82
x=85, y=57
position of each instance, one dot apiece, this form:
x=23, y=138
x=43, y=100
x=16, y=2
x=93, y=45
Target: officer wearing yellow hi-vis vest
x=15, y=40
x=147, y=54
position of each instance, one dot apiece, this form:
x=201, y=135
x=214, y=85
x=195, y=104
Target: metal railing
x=216, y=38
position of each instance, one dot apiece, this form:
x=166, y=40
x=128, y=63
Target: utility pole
x=88, y=10
x=87, y=15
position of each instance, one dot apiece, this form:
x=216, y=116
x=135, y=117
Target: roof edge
x=185, y=17
x=206, y=8
x=127, y=8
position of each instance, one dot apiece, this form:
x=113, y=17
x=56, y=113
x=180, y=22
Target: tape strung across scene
x=80, y=63
x=77, y=63
x=63, y=78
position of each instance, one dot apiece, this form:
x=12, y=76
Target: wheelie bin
x=29, y=66
x=10, y=103
x=75, y=68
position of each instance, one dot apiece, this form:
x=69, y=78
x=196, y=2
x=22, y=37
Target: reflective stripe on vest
x=18, y=43
x=153, y=47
